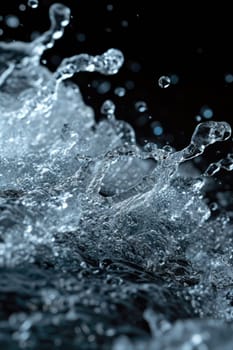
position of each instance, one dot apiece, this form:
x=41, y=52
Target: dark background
x=157, y=39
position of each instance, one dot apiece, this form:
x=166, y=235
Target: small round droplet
x=119, y=91
x=135, y=67
x=207, y=112
x=198, y=118
x=129, y=84
x=141, y=106
x=164, y=82
x=112, y=60
x=124, y=24
x=81, y=37
x=158, y=130
x=33, y=4
x=109, y=7
x=22, y=7
x=174, y=79
x=103, y=87
x=229, y=78
x=12, y=21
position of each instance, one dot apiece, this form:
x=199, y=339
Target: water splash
x=94, y=228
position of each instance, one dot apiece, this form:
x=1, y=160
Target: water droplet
x=103, y=87
x=108, y=30
x=229, y=78
x=1, y=31
x=129, y=84
x=198, y=118
x=81, y=37
x=124, y=24
x=174, y=79
x=207, y=112
x=164, y=82
x=119, y=91
x=22, y=7
x=108, y=109
x=135, y=67
x=33, y=3
x=141, y=106
x=109, y=7
x=12, y=21
x=111, y=60
x=158, y=130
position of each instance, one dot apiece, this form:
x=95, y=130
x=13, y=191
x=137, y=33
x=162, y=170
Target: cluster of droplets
x=118, y=228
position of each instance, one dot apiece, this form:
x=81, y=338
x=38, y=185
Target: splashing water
x=103, y=244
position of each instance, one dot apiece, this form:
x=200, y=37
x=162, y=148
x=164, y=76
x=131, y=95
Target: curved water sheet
x=103, y=244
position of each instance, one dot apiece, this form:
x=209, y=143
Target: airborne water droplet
x=108, y=109
x=229, y=78
x=12, y=21
x=119, y=91
x=164, y=82
x=22, y=7
x=33, y=3
x=109, y=7
x=158, y=130
x=141, y=106
x=206, y=112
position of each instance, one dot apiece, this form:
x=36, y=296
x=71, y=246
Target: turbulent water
x=103, y=244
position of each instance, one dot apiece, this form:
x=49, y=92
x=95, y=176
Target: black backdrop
x=156, y=39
